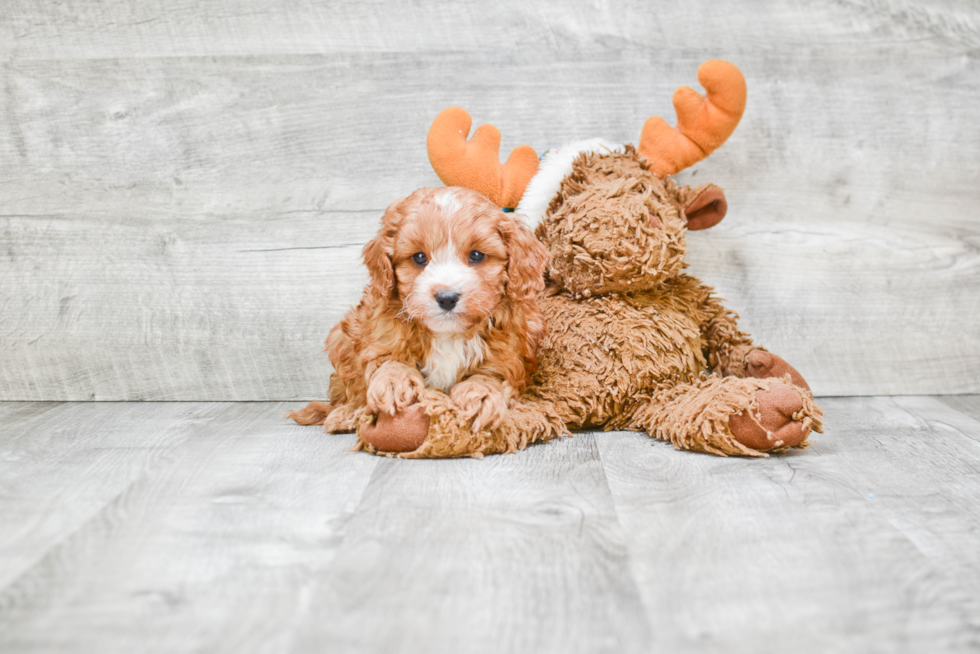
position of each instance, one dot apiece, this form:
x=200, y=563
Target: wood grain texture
x=177, y=527
x=965, y=404
x=510, y=554
x=866, y=541
x=143, y=145
x=210, y=546
x=174, y=307
x=63, y=463
x=81, y=29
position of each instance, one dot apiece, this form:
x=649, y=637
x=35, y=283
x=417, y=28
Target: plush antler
x=476, y=164
x=703, y=123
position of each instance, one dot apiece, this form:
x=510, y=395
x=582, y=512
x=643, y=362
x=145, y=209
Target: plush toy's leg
x=731, y=415
x=449, y=435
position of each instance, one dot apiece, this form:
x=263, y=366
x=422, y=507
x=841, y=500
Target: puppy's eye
x=419, y=258
x=477, y=256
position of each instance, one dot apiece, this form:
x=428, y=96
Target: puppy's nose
x=447, y=300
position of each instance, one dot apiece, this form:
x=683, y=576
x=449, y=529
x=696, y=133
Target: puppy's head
x=450, y=256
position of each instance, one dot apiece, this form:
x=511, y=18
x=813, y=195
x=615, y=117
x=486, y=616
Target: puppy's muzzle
x=447, y=300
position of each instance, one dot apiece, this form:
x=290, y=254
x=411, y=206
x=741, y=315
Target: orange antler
x=703, y=123
x=476, y=164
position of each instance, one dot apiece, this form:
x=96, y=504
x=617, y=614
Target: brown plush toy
x=633, y=341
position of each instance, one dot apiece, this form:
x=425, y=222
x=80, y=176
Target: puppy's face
x=453, y=258
x=450, y=262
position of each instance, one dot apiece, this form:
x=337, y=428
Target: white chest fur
x=449, y=355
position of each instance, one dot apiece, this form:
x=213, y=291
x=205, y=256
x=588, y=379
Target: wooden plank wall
x=185, y=187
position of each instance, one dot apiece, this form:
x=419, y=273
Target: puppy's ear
x=377, y=257
x=378, y=253
x=526, y=259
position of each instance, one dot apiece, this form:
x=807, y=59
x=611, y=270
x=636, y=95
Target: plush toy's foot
x=403, y=432
x=731, y=416
x=770, y=423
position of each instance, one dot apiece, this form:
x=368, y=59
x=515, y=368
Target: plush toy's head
x=608, y=214
x=614, y=226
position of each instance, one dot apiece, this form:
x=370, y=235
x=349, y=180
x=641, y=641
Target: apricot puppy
x=450, y=305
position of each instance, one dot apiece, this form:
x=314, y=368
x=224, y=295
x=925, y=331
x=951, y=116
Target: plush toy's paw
x=404, y=431
x=481, y=401
x=394, y=386
x=761, y=364
x=773, y=425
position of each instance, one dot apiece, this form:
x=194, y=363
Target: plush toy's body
x=633, y=342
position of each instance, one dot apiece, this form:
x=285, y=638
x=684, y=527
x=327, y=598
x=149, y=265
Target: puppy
x=450, y=305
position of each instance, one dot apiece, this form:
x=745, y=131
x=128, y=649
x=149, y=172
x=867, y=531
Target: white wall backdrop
x=185, y=186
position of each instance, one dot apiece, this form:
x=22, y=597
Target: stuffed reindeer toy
x=632, y=341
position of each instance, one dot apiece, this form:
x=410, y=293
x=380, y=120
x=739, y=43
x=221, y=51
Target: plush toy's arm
x=725, y=347
x=730, y=351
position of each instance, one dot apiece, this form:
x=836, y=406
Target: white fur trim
x=447, y=357
x=554, y=167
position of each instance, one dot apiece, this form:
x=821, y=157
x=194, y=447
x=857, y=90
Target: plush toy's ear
x=476, y=164
x=527, y=259
x=705, y=207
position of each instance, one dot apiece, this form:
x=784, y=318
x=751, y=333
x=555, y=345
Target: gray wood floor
x=221, y=527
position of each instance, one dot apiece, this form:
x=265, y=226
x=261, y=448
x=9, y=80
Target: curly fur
x=384, y=347
x=633, y=342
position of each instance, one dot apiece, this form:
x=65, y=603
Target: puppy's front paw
x=482, y=400
x=393, y=387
